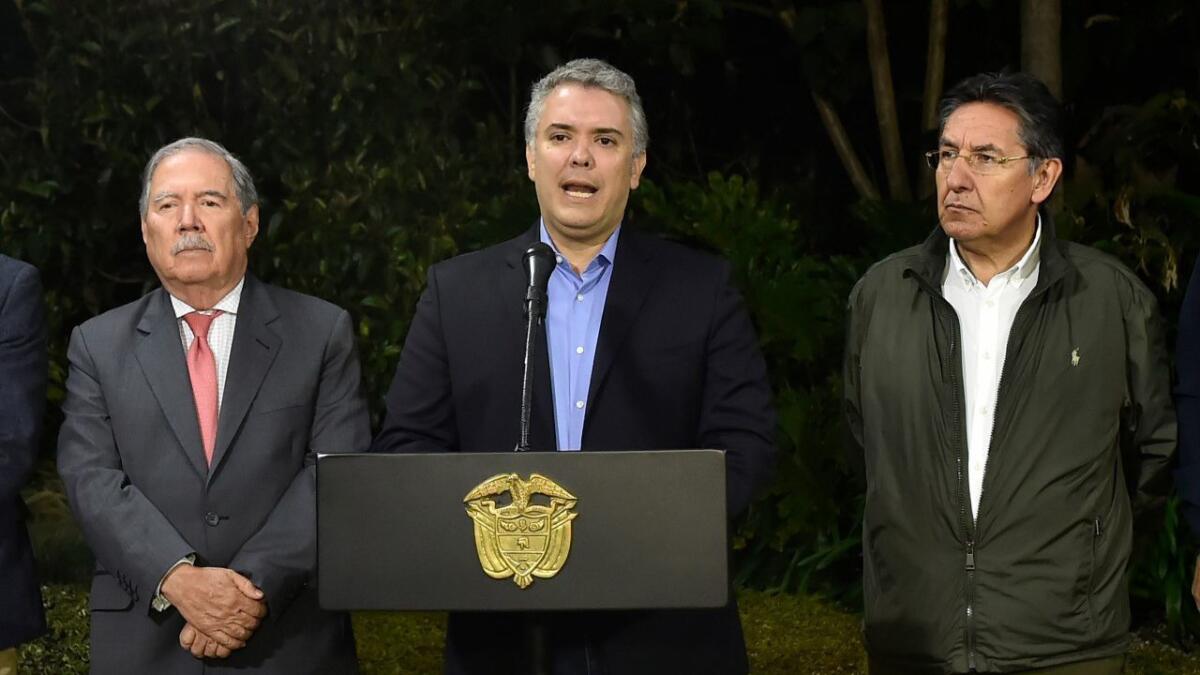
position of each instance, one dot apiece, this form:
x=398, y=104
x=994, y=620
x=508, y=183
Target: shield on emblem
x=524, y=539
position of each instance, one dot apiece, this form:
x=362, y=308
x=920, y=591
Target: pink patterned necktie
x=202, y=369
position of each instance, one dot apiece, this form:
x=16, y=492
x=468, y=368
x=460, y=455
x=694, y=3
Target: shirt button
x=987, y=355
x=983, y=410
x=579, y=350
x=991, y=303
x=558, y=259
x=212, y=519
x=579, y=405
x=579, y=297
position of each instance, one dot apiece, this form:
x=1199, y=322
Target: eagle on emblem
x=520, y=539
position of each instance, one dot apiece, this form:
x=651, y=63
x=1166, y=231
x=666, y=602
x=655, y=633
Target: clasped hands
x=222, y=609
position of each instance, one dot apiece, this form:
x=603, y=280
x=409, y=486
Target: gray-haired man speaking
x=192, y=417
x=649, y=347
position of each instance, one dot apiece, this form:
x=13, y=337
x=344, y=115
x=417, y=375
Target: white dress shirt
x=985, y=316
x=220, y=341
x=220, y=332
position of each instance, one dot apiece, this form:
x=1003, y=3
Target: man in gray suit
x=193, y=416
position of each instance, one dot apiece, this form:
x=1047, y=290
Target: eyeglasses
x=980, y=163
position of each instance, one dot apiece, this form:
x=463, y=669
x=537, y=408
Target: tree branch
x=885, y=102
x=841, y=143
x=935, y=79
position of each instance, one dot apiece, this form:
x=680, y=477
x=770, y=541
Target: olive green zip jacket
x=1084, y=433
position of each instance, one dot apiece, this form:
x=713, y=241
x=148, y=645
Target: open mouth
x=577, y=190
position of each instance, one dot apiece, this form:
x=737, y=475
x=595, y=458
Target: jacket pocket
x=1097, y=532
x=107, y=594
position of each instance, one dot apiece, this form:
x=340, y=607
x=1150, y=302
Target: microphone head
x=538, y=261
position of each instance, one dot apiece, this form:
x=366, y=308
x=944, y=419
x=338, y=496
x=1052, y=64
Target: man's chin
x=961, y=230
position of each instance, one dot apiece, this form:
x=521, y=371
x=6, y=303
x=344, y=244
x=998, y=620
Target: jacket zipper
x=968, y=524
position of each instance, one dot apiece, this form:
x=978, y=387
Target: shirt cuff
x=160, y=603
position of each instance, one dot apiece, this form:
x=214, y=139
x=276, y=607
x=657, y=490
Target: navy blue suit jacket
x=22, y=399
x=677, y=365
x=1187, y=401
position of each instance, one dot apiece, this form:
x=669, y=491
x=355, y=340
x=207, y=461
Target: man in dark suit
x=22, y=398
x=649, y=347
x=192, y=419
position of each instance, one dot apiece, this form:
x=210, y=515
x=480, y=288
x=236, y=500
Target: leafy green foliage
x=797, y=297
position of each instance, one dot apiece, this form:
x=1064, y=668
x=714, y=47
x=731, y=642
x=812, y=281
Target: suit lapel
x=160, y=355
x=633, y=279
x=542, y=433
x=254, y=349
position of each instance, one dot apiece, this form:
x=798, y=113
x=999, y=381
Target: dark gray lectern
x=649, y=531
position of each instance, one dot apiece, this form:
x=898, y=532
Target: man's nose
x=581, y=153
x=960, y=177
x=187, y=218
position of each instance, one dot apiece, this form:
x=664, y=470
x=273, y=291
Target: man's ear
x=1045, y=177
x=639, y=165
x=251, y=225
x=529, y=160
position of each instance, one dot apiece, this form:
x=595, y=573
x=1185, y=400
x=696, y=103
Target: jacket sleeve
x=1149, y=432
x=282, y=555
x=1187, y=401
x=130, y=537
x=23, y=374
x=736, y=411
x=420, y=407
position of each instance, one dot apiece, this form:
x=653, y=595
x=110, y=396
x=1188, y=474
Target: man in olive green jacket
x=1010, y=394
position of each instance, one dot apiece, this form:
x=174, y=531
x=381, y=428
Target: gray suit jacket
x=131, y=457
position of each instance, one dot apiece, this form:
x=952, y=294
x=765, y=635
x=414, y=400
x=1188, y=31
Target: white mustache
x=192, y=242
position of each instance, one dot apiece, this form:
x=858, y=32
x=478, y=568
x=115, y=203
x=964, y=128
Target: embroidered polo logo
x=1075, y=357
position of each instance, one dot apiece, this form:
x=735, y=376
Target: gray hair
x=589, y=73
x=243, y=183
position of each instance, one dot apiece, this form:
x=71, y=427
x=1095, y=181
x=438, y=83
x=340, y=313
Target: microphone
x=539, y=262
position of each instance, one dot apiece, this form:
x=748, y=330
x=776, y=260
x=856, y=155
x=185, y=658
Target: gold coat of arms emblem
x=521, y=539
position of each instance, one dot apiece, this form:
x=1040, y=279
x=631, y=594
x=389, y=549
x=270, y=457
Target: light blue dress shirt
x=574, y=309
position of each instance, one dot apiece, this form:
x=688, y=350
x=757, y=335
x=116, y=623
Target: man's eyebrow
x=158, y=197
x=599, y=130
x=986, y=147
x=213, y=193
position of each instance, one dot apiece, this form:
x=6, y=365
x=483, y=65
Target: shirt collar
x=606, y=256
x=1018, y=272
x=228, y=304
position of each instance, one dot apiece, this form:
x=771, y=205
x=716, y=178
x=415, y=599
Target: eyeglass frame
x=934, y=159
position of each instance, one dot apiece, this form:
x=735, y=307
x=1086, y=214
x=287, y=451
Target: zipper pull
x=970, y=556
x=1096, y=522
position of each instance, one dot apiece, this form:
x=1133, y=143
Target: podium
x=479, y=532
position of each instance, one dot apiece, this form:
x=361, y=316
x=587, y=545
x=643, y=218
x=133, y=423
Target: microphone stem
x=531, y=321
